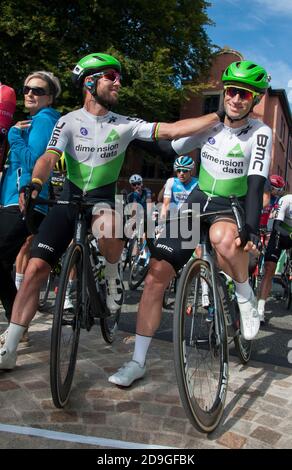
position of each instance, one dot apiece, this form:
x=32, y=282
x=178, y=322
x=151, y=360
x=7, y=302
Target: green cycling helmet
x=91, y=64
x=248, y=73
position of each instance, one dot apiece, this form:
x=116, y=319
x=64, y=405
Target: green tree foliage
x=161, y=45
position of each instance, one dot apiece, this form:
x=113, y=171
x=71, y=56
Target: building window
x=289, y=151
x=211, y=103
x=282, y=130
x=156, y=167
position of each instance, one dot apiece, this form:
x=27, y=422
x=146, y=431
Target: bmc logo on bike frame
x=260, y=152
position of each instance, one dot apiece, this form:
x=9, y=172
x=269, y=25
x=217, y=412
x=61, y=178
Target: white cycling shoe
x=127, y=374
x=7, y=359
x=114, y=293
x=249, y=318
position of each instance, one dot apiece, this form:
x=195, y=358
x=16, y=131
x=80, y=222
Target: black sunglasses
x=180, y=170
x=36, y=91
x=136, y=184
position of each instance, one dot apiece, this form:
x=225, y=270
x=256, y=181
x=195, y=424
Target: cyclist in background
x=139, y=194
x=273, y=190
x=280, y=239
x=274, y=187
x=58, y=178
x=178, y=188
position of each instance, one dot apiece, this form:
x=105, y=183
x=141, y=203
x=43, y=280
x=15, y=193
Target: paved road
x=148, y=415
x=270, y=346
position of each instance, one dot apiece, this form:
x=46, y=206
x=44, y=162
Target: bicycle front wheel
x=200, y=347
x=108, y=324
x=66, y=327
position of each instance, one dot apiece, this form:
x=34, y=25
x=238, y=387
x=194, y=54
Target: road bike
x=80, y=278
x=201, y=334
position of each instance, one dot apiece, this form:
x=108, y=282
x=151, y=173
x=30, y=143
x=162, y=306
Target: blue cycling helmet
x=184, y=163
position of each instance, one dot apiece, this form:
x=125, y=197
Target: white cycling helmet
x=136, y=179
x=184, y=163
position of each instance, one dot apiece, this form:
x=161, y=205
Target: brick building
x=273, y=109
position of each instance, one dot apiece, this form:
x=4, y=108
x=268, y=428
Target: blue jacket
x=26, y=146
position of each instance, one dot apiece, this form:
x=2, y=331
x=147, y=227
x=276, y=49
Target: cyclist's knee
x=36, y=269
x=159, y=276
x=222, y=236
x=269, y=268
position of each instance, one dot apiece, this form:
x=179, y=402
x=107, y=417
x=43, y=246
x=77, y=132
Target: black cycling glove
x=27, y=190
x=246, y=235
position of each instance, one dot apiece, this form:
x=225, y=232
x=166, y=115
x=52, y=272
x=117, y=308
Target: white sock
x=142, y=344
x=18, y=280
x=261, y=305
x=243, y=291
x=111, y=270
x=15, y=333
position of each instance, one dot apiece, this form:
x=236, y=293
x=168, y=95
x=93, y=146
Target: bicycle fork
x=208, y=258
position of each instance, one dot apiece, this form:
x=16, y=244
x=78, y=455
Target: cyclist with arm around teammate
x=94, y=141
x=235, y=160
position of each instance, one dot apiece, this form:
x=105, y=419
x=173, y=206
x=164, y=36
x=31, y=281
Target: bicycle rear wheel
x=44, y=293
x=200, y=348
x=66, y=327
x=139, y=265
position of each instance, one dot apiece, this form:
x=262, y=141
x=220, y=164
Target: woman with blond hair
x=27, y=140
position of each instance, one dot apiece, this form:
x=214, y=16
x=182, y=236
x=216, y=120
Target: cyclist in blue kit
x=178, y=188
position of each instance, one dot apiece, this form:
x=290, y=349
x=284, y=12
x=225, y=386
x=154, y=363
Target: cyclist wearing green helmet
x=248, y=80
x=235, y=159
x=95, y=66
x=94, y=141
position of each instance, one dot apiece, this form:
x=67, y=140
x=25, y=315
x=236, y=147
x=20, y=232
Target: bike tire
x=137, y=272
x=109, y=325
x=167, y=301
x=44, y=295
x=66, y=330
x=204, y=408
x=243, y=347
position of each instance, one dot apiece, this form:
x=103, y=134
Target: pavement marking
x=64, y=436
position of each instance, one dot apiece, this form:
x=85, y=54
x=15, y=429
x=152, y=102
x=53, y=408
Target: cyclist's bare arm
x=165, y=207
x=185, y=127
x=41, y=171
x=44, y=166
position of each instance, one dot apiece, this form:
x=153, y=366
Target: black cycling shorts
x=57, y=230
x=170, y=248
x=273, y=253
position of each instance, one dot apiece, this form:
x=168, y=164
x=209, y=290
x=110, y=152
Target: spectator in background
x=28, y=140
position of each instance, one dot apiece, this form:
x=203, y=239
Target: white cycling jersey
x=284, y=212
x=229, y=156
x=94, y=146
